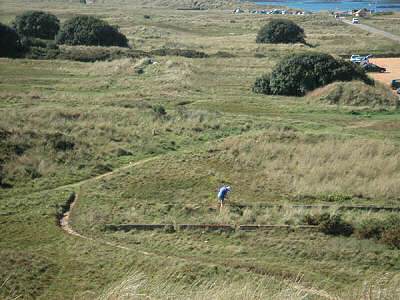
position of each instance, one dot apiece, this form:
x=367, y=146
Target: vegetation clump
x=356, y=93
x=90, y=31
x=335, y=225
x=159, y=110
x=281, y=31
x=9, y=41
x=38, y=24
x=386, y=230
x=329, y=224
x=300, y=73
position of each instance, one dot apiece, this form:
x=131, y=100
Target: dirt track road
x=374, y=30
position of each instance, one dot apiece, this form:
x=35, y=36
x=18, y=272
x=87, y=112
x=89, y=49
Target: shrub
x=179, y=52
x=315, y=219
x=261, y=86
x=335, y=225
x=387, y=230
x=90, y=31
x=281, y=31
x=372, y=228
x=60, y=142
x=42, y=53
x=37, y=24
x=391, y=237
x=9, y=42
x=159, y=110
x=297, y=74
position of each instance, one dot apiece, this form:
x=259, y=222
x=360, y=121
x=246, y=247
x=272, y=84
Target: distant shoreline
x=318, y=5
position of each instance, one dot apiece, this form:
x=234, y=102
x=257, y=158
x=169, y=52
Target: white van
x=355, y=21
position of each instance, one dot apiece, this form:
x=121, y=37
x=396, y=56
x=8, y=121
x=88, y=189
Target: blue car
x=395, y=84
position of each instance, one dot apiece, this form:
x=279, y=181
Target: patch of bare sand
x=392, y=66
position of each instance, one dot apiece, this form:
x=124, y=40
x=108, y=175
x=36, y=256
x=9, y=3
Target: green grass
x=389, y=23
x=215, y=130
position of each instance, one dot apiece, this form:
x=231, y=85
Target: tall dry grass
x=307, y=165
x=137, y=286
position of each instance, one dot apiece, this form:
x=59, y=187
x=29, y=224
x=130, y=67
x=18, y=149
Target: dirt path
x=374, y=30
x=65, y=219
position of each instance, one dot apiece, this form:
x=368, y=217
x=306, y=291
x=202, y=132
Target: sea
x=337, y=5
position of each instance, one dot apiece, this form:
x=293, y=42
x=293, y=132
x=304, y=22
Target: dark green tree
x=90, y=31
x=38, y=24
x=300, y=73
x=9, y=41
x=281, y=31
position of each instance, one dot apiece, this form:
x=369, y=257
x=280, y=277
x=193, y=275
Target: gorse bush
x=391, y=237
x=300, y=73
x=261, y=85
x=315, y=219
x=90, y=31
x=281, y=31
x=370, y=229
x=179, y=52
x=335, y=225
x=386, y=230
x=9, y=41
x=37, y=24
x=159, y=110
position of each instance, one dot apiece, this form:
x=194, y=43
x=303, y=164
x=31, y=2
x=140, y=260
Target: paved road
x=391, y=36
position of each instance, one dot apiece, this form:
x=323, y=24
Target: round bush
x=300, y=73
x=335, y=225
x=9, y=41
x=281, y=31
x=37, y=24
x=90, y=31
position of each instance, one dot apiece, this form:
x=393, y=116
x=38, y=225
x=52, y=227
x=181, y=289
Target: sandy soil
x=392, y=66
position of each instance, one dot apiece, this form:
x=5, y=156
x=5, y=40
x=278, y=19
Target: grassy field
x=389, y=22
x=64, y=121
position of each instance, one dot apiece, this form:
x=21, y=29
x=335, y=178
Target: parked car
x=395, y=84
x=355, y=21
x=358, y=58
x=369, y=67
x=398, y=91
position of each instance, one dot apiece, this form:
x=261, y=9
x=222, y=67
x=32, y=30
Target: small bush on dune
x=329, y=224
x=300, y=73
x=391, y=237
x=261, y=86
x=315, y=219
x=37, y=24
x=386, y=230
x=9, y=42
x=159, y=110
x=90, y=31
x=335, y=225
x=281, y=31
x=179, y=52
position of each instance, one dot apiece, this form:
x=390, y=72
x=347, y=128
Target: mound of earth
x=356, y=93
